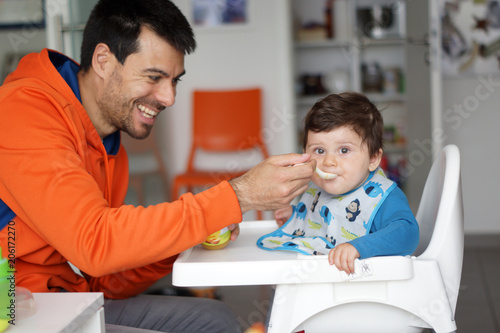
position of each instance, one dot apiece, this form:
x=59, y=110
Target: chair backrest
x=136, y=146
x=144, y=155
x=441, y=218
x=227, y=121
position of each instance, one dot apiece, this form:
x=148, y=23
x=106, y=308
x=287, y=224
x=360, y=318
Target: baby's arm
x=282, y=215
x=394, y=230
x=342, y=256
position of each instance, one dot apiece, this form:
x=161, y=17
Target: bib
x=320, y=220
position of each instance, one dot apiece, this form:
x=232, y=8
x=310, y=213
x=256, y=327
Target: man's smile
x=147, y=112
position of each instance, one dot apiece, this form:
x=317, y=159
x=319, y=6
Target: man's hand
x=282, y=215
x=272, y=184
x=342, y=256
x=235, y=231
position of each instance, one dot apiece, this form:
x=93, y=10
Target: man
x=64, y=173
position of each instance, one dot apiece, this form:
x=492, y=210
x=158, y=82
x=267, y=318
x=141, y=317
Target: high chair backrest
x=440, y=217
x=226, y=120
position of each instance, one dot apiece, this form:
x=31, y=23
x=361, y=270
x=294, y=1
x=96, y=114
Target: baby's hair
x=350, y=109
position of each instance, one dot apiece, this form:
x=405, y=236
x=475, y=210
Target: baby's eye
x=344, y=150
x=319, y=151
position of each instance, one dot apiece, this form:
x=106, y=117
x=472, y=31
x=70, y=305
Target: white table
x=63, y=312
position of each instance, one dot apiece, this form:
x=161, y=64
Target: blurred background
x=432, y=66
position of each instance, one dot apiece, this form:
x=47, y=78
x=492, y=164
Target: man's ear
x=375, y=160
x=103, y=60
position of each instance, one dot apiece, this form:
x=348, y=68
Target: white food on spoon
x=324, y=175
x=320, y=173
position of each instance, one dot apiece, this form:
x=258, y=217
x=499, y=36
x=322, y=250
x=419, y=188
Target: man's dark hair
x=118, y=23
x=347, y=109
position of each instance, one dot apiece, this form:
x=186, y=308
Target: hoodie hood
x=41, y=70
x=42, y=66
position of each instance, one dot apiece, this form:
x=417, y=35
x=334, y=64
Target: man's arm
x=271, y=184
x=60, y=188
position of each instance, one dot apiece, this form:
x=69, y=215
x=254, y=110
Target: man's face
x=137, y=91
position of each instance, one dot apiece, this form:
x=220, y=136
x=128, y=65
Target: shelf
x=367, y=42
x=349, y=53
x=374, y=97
x=352, y=51
x=386, y=98
x=326, y=43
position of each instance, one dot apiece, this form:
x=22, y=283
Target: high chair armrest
x=387, y=268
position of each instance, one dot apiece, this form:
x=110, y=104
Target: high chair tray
x=243, y=263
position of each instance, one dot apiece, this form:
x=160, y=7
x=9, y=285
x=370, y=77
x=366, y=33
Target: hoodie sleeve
x=56, y=181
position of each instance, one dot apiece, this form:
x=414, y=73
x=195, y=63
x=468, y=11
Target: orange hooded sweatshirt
x=67, y=195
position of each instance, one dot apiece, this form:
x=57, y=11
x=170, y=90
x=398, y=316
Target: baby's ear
x=375, y=160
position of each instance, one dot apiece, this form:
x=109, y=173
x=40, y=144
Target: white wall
x=471, y=120
x=258, y=54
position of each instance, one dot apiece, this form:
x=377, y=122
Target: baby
x=351, y=209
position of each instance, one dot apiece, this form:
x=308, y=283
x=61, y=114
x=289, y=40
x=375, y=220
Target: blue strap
x=6, y=214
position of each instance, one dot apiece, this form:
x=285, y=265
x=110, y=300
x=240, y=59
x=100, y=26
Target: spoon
x=320, y=173
x=324, y=175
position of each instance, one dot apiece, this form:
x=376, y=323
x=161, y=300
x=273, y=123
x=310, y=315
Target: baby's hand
x=282, y=215
x=342, y=256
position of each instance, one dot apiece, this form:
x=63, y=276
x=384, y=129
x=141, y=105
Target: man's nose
x=165, y=94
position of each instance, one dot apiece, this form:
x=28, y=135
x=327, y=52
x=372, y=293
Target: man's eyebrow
x=161, y=72
x=181, y=74
x=156, y=71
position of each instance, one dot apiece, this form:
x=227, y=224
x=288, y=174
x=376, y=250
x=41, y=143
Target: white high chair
x=426, y=298
x=386, y=294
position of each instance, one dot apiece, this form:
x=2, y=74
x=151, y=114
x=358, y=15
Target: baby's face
x=341, y=152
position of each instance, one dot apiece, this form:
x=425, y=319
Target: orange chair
x=223, y=121
x=144, y=160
